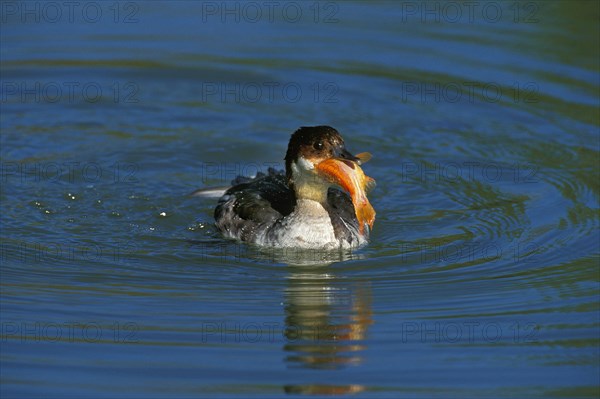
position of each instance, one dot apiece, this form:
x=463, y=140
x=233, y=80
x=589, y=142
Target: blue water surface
x=481, y=278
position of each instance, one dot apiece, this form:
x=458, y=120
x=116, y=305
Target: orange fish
x=350, y=176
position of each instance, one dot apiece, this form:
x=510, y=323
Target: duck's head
x=317, y=159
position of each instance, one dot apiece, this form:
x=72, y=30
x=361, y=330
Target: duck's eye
x=318, y=145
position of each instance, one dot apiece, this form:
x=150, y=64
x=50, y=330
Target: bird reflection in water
x=327, y=320
x=326, y=316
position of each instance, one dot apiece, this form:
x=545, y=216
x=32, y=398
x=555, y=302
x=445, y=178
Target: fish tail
x=365, y=215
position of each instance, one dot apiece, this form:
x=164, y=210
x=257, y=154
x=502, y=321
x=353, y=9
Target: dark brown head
x=310, y=145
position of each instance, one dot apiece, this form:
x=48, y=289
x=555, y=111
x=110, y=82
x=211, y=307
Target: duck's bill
x=350, y=177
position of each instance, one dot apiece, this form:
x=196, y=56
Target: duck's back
x=254, y=205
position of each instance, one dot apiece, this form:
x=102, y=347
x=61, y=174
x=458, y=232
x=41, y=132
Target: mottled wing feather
x=341, y=213
x=251, y=206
